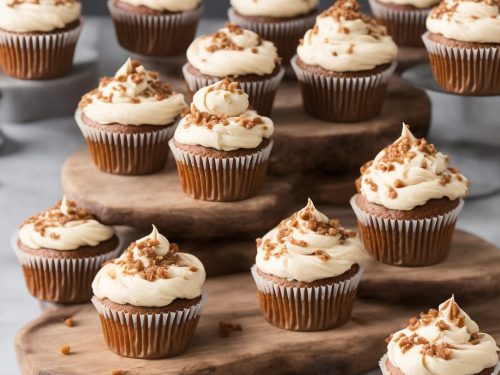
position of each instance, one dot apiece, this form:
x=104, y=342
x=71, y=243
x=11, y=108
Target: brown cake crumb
x=69, y=322
x=226, y=328
x=65, y=349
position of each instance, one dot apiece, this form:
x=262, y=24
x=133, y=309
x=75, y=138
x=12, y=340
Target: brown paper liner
x=221, y=179
x=406, y=26
x=155, y=35
x=342, y=99
x=407, y=243
x=38, y=56
x=463, y=70
x=126, y=153
x=148, y=335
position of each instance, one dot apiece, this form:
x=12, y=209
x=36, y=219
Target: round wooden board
x=260, y=348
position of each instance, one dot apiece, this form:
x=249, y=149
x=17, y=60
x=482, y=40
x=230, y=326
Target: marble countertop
x=30, y=165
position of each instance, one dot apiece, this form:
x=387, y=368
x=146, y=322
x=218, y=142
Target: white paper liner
x=258, y=91
x=420, y=228
x=165, y=24
x=284, y=34
x=485, y=70
x=385, y=371
x=24, y=42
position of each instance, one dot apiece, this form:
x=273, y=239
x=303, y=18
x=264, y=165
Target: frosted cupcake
x=283, y=22
x=404, y=19
x=408, y=202
x=38, y=38
x=61, y=250
x=128, y=119
x=155, y=27
x=343, y=65
x=464, y=46
x=443, y=341
x=149, y=299
x=240, y=55
x=307, y=272
x=222, y=146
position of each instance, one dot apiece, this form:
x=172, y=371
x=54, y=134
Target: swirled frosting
x=150, y=273
x=165, y=5
x=275, y=8
x=476, y=21
x=444, y=341
x=409, y=173
x=220, y=118
x=346, y=40
x=308, y=246
x=63, y=227
x=421, y=4
x=232, y=51
x=24, y=16
x=134, y=96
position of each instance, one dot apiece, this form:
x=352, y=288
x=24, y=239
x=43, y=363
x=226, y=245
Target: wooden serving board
x=260, y=348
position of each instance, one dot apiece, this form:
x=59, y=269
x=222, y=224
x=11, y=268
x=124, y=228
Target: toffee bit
x=117, y=372
x=65, y=349
x=69, y=322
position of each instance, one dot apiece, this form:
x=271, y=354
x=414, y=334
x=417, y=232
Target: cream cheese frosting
x=444, y=341
x=232, y=51
x=150, y=273
x=24, y=16
x=409, y=173
x=476, y=21
x=309, y=246
x=63, y=227
x=421, y=4
x=221, y=118
x=346, y=40
x=166, y=5
x=274, y=8
x=134, y=96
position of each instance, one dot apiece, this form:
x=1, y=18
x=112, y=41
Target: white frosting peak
x=476, y=21
x=220, y=118
x=166, y=5
x=409, y=173
x=134, y=96
x=420, y=4
x=343, y=39
x=150, y=273
x=274, y=8
x=308, y=246
x=444, y=341
x=37, y=16
x=232, y=51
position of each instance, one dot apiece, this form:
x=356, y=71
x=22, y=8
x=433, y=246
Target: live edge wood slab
x=259, y=349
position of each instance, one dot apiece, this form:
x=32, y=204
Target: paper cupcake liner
x=38, y=56
x=221, y=179
x=462, y=70
x=155, y=35
x=308, y=308
x=406, y=26
x=148, y=335
x=408, y=243
x=385, y=371
x=343, y=99
x=284, y=34
x=126, y=153
x=261, y=93
x=60, y=280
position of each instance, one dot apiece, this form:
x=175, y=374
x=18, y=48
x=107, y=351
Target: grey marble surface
x=30, y=165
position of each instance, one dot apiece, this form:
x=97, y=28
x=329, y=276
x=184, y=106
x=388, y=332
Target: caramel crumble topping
x=65, y=349
x=69, y=322
x=439, y=350
x=222, y=41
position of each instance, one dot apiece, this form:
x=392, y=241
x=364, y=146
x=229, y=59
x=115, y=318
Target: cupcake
x=343, y=65
x=238, y=54
x=463, y=42
x=149, y=299
x=38, y=38
x=222, y=146
x=307, y=272
x=283, y=22
x=408, y=202
x=61, y=250
x=155, y=27
x=128, y=119
x=441, y=342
